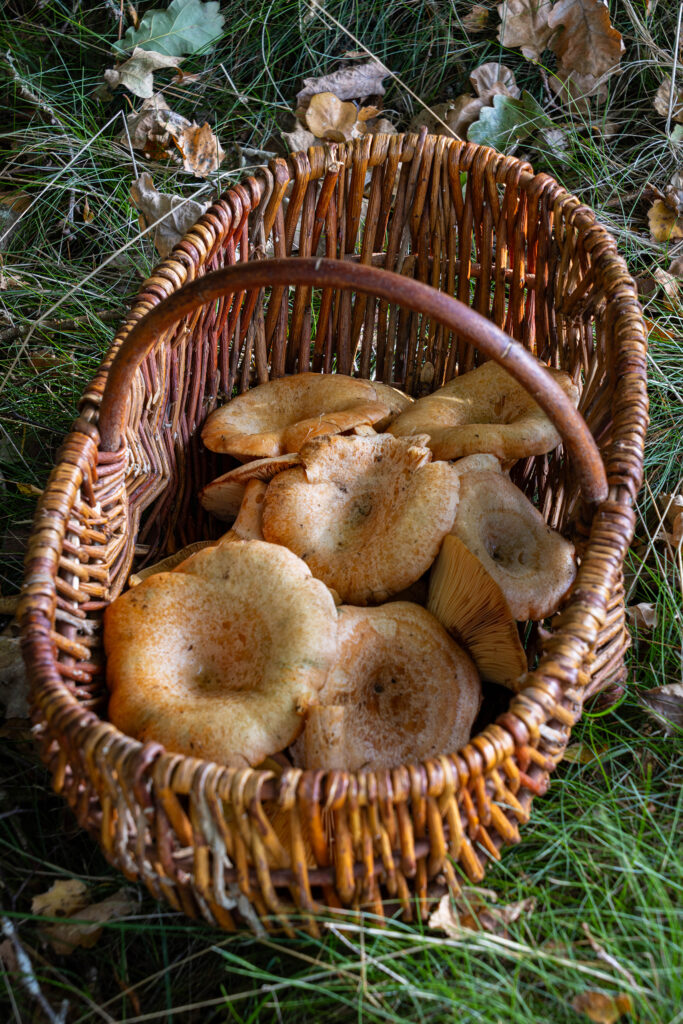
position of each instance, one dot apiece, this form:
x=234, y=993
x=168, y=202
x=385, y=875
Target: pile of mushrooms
x=369, y=583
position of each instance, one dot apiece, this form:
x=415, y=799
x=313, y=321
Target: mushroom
x=396, y=400
x=221, y=658
x=400, y=690
x=533, y=564
x=168, y=563
x=283, y=414
x=223, y=496
x=484, y=410
x=367, y=514
x=470, y=605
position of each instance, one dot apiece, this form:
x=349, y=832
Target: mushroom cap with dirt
x=221, y=658
x=484, y=410
x=533, y=565
x=367, y=514
x=400, y=691
x=281, y=415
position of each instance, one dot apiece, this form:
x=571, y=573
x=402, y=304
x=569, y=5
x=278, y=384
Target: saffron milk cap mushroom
x=484, y=410
x=468, y=602
x=222, y=658
x=533, y=564
x=400, y=690
x=281, y=415
x=223, y=496
x=367, y=514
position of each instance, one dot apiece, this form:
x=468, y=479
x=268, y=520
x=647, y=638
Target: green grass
x=601, y=854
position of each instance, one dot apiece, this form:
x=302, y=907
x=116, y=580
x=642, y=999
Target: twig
x=27, y=976
x=105, y=315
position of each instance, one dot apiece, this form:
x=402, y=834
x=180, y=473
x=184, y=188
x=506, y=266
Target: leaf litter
x=158, y=132
x=137, y=73
x=175, y=214
x=83, y=919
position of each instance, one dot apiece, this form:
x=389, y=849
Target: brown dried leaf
x=601, y=1008
x=14, y=686
x=666, y=704
x=525, y=24
x=151, y=127
x=137, y=73
x=200, y=149
x=663, y=98
x=471, y=912
x=380, y=126
x=367, y=113
x=83, y=920
x=178, y=214
x=299, y=139
x=328, y=117
x=665, y=224
x=350, y=83
x=643, y=615
x=62, y=899
x=668, y=283
x=159, y=132
x=494, y=79
x=586, y=45
x=476, y=20
x=676, y=267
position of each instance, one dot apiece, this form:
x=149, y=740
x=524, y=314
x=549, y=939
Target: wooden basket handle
x=402, y=291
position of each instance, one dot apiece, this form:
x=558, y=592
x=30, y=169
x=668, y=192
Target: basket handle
x=403, y=291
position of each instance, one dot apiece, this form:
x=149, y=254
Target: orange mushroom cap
x=484, y=410
x=280, y=416
x=533, y=564
x=401, y=690
x=367, y=514
x=220, y=659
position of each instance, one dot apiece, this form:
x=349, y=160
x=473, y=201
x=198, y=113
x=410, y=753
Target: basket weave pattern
x=236, y=846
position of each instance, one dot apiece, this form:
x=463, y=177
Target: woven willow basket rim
x=528, y=739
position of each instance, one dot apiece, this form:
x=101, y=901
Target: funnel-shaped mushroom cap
x=223, y=496
x=401, y=690
x=485, y=410
x=222, y=659
x=397, y=402
x=477, y=463
x=471, y=606
x=283, y=414
x=367, y=514
x=532, y=564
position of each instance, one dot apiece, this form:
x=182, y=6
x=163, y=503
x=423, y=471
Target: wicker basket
x=248, y=846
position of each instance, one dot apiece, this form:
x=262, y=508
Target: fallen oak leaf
x=665, y=223
x=663, y=98
x=471, y=912
x=455, y=116
x=175, y=214
x=186, y=26
x=137, y=73
x=643, y=615
x=12, y=205
x=150, y=128
x=328, y=117
x=587, y=47
x=299, y=138
x=525, y=25
x=665, y=704
x=83, y=920
x=602, y=1008
x=508, y=121
x=200, y=149
x=349, y=83
x=476, y=20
